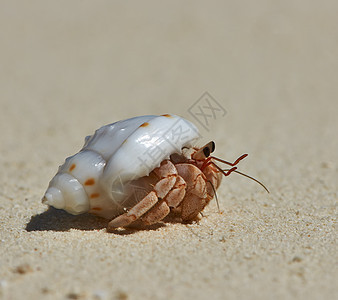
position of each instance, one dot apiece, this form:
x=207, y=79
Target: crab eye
x=206, y=151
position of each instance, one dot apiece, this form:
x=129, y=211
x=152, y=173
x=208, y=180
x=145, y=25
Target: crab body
x=137, y=170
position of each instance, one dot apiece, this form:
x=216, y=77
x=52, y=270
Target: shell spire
x=66, y=192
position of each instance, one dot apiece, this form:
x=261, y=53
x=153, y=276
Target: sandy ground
x=68, y=67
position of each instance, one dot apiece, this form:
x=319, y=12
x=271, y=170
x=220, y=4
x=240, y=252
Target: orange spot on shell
x=97, y=208
x=145, y=124
x=167, y=115
x=90, y=181
x=72, y=167
x=95, y=195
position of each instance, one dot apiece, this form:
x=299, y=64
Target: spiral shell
x=96, y=178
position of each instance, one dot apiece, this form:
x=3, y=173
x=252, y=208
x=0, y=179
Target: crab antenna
x=208, y=161
x=215, y=195
x=229, y=163
x=252, y=178
x=229, y=171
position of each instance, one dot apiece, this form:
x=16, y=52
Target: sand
x=270, y=69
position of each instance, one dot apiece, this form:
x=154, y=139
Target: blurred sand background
x=68, y=67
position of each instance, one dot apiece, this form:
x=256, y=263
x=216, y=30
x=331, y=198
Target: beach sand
x=270, y=71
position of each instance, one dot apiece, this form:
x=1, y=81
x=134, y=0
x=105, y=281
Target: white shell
x=95, y=179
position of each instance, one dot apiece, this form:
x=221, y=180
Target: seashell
x=97, y=179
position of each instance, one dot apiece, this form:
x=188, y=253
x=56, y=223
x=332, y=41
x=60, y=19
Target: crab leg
x=138, y=210
x=156, y=213
x=192, y=206
x=196, y=198
x=162, y=208
x=168, y=174
x=214, y=178
x=176, y=195
x=193, y=177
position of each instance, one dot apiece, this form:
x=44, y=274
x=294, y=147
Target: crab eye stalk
x=204, y=152
x=212, y=146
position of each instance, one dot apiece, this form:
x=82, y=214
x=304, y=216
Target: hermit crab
x=138, y=171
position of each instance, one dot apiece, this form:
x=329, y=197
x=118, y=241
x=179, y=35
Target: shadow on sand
x=58, y=220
